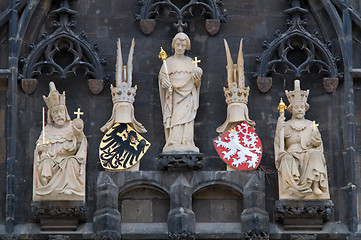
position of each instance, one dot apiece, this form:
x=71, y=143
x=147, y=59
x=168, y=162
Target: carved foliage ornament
x=62, y=53
x=151, y=9
x=296, y=52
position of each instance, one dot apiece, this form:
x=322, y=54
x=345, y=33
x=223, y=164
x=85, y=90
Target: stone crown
x=297, y=95
x=123, y=93
x=54, y=98
x=236, y=94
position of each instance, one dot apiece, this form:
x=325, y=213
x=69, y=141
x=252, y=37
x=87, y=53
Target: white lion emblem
x=238, y=151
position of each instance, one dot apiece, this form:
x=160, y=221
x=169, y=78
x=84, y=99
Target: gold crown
x=297, y=95
x=236, y=94
x=123, y=93
x=54, y=98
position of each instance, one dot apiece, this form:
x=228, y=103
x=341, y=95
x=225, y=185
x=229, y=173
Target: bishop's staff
x=281, y=107
x=163, y=55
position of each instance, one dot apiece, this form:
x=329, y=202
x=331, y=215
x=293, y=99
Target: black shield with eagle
x=122, y=147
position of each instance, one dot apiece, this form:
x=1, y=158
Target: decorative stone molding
x=184, y=235
x=310, y=214
x=180, y=160
x=303, y=237
x=43, y=58
x=59, y=215
x=312, y=54
x=150, y=9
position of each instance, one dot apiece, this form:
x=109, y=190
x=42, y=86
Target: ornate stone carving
x=123, y=94
x=58, y=211
x=295, y=52
x=184, y=235
x=45, y=57
x=60, y=154
x=179, y=84
x=236, y=94
x=252, y=235
x=303, y=237
x=302, y=171
x=311, y=214
x=176, y=160
x=150, y=9
x=59, y=215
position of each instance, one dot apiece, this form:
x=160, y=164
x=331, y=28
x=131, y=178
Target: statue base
x=303, y=215
x=59, y=215
x=180, y=160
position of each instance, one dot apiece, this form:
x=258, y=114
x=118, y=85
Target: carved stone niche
x=180, y=160
x=303, y=215
x=59, y=215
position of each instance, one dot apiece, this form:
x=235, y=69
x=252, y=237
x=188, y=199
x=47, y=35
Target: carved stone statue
x=299, y=157
x=236, y=94
x=179, y=84
x=60, y=154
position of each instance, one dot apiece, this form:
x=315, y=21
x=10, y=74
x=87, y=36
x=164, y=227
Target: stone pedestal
x=303, y=215
x=180, y=160
x=59, y=215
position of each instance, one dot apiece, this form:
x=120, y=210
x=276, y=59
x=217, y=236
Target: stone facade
x=203, y=202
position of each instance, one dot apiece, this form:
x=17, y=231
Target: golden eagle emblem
x=121, y=147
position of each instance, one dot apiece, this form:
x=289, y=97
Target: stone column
x=107, y=218
x=181, y=219
x=254, y=217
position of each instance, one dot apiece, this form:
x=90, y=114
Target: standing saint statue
x=179, y=84
x=299, y=157
x=60, y=154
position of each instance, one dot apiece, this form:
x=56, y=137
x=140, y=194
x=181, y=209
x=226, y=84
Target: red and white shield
x=240, y=147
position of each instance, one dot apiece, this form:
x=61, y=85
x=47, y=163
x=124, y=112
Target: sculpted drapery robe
x=63, y=162
x=179, y=107
x=301, y=163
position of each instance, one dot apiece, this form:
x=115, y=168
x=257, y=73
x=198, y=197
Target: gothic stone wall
x=104, y=22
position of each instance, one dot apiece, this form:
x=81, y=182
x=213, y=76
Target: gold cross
x=196, y=61
x=78, y=113
x=314, y=126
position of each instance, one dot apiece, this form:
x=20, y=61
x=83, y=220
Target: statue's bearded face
x=180, y=46
x=58, y=115
x=299, y=110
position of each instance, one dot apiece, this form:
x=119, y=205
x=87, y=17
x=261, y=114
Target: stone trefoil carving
x=60, y=154
x=302, y=172
x=150, y=9
x=296, y=53
x=45, y=57
x=236, y=94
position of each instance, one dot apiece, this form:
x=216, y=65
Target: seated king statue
x=60, y=154
x=301, y=165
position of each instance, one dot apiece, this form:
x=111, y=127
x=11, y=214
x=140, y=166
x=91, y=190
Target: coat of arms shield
x=240, y=147
x=122, y=147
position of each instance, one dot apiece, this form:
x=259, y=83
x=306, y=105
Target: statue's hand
x=43, y=147
x=197, y=73
x=78, y=123
x=166, y=83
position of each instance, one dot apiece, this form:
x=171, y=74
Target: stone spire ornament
x=302, y=171
x=236, y=94
x=122, y=146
